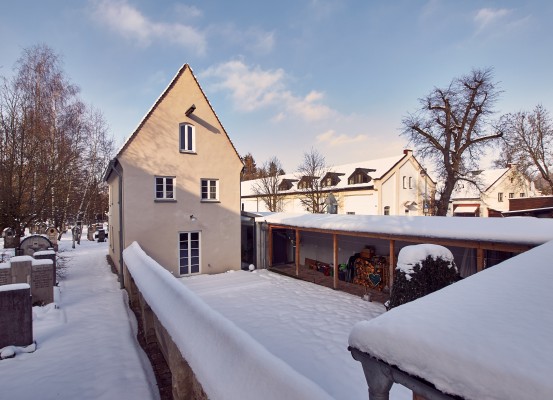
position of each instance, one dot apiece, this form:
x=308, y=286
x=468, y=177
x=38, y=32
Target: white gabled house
x=174, y=186
x=396, y=185
x=491, y=197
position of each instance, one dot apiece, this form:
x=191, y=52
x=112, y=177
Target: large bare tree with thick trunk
x=452, y=128
x=528, y=143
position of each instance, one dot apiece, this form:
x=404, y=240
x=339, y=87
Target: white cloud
x=332, y=139
x=486, y=17
x=252, y=88
x=189, y=12
x=129, y=22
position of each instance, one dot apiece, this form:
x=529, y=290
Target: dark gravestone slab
x=42, y=282
x=47, y=255
x=5, y=274
x=16, y=315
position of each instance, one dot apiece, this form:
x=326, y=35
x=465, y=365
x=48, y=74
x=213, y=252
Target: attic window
x=331, y=179
x=307, y=182
x=187, y=138
x=286, y=184
x=360, y=175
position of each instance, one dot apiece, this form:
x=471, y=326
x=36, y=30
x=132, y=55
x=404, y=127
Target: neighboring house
x=174, y=185
x=388, y=186
x=491, y=197
x=539, y=207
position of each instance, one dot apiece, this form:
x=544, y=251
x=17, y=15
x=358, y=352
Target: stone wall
x=185, y=385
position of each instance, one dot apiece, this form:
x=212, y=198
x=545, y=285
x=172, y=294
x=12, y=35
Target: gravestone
x=34, y=243
x=21, y=268
x=5, y=274
x=42, y=282
x=11, y=240
x=47, y=255
x=16, y=315
x=52, y=234
x=101, y=235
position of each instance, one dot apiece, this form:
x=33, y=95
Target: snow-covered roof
x=380, y=166
x=504, y=230
x=485, y=179
x=485, y=340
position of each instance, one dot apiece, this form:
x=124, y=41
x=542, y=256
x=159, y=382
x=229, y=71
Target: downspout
x=120, y=198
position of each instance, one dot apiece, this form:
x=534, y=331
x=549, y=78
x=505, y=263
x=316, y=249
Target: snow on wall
x=228, y=362
x=485, y=340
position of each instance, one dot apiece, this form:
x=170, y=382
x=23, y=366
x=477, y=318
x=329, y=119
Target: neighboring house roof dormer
x=306, y=182
x=286, y=184
x=331, y=179
x=360, y=175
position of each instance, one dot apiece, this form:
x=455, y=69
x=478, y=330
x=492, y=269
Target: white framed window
x=164, y=188
x=522, y=195
x=404, y=182
x=500, y=197
x=189, y=253
x=187, y=138
x=511, y=195
x=387, y=210
x=410, y=182
x=210, y=190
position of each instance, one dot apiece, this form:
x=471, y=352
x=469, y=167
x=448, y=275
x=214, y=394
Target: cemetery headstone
x=34, y=243
x=47, y=255
x=5, y=273
x=52, y=234
x=42, y=282
x=21, y=269
x=16, y=315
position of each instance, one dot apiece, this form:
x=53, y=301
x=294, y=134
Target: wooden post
x=391, y=267
x=335, y=240
x=270, y=261
x=297, y=252
x=479, y=259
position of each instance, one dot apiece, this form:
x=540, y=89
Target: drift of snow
x=477, y=338
x=86, y=344
x=259, y=335
x=409, y=256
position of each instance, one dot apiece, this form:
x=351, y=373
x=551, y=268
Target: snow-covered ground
x=86, y=340
x=305, y=325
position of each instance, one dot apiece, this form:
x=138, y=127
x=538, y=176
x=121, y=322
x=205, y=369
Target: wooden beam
x=392, y=265
x=270, y=261
x=463, y=243
x=297, y=252
x=479, y=260
x=335, y=242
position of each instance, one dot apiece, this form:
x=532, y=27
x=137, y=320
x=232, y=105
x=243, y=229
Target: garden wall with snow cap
x=227, y=362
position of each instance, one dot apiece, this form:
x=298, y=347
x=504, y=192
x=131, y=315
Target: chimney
x=407, y=152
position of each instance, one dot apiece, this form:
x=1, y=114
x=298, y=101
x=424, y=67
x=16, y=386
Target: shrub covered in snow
x=422, y=269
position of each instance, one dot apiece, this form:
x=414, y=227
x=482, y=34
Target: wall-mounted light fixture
x=193, y=218
x=190, y=110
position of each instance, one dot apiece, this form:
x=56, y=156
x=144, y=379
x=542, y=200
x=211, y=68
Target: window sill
x=187, y=152
x=210, y=201
x=165, y=200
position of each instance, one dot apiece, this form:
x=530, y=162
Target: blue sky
x=290, y=75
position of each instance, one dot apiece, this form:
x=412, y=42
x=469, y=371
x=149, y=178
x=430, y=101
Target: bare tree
x=267, y=185
x=452, y=128
x=50, y=143
x=309, y=175
x=528, y=143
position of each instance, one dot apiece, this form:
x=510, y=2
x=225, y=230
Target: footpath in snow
x=86, y=340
